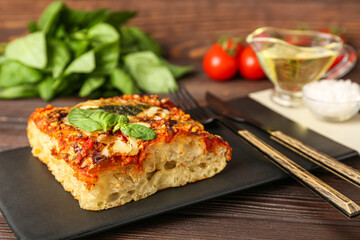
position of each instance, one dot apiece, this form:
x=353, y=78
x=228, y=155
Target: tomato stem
x=230, y=45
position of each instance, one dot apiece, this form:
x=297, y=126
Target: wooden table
x=280, y=210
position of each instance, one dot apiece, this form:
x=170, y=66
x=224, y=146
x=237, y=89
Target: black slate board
x=37, y=207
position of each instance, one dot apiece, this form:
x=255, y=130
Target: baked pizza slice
x=108, y=152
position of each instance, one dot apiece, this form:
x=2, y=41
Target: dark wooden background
x=186, y=28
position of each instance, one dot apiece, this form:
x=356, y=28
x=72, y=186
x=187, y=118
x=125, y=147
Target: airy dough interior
x=177, y=163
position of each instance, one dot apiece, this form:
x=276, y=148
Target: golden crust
x=91, y=160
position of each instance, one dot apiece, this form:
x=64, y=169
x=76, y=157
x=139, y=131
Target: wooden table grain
x=280, y=210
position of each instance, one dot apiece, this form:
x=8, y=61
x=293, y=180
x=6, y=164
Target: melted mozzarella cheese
x=89, y=104
x=115, y=145
x=98, y=103
x=155, y=111
x=142, y=123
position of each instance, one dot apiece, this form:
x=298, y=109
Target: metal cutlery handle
x=344, y=204
x=342, y=170
x=319, y=158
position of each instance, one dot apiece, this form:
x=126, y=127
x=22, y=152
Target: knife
x=338, y=168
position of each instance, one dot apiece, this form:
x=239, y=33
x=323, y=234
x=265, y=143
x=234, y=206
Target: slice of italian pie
x=108, y=152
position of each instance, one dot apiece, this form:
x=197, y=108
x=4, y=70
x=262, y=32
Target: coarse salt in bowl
x=332, y=100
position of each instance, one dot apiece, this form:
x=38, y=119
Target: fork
x=184, y=100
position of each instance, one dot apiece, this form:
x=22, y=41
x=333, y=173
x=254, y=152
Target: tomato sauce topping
x=82, y=151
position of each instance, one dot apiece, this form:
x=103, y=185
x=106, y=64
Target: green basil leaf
x=3, y=46
x=101, y=34
x=58, y=82
x=92, y=120
x=22, y=91
x=145, y=41
x=46, y=89
x=141, y=58
x=121, y=121
x=49, y=16
x=108, y=120
x=178, y=71
x=116, y=19
x=106, y=57
x=30, y=50
x=117, y=127
x=14, y=73
x=136, y=40
x=83, y=119
x=128, y=42
x=79, y=35
x=77, y=19
x=79, y=47
x=67, y=85
x=2, y=60
x=60, y=32
x=138, y=131
x=83, y=64
x=91, y=84
x=59, y=56
x=123, y=82
x=149, y=73
x=155, y=79
x=32, y=27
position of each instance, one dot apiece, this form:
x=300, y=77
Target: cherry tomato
x=219, y=63
x=249, y=65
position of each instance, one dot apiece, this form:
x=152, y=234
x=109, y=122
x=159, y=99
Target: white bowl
x=336, y=110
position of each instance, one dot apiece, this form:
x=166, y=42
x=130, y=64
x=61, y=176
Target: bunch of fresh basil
x=89, y=53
